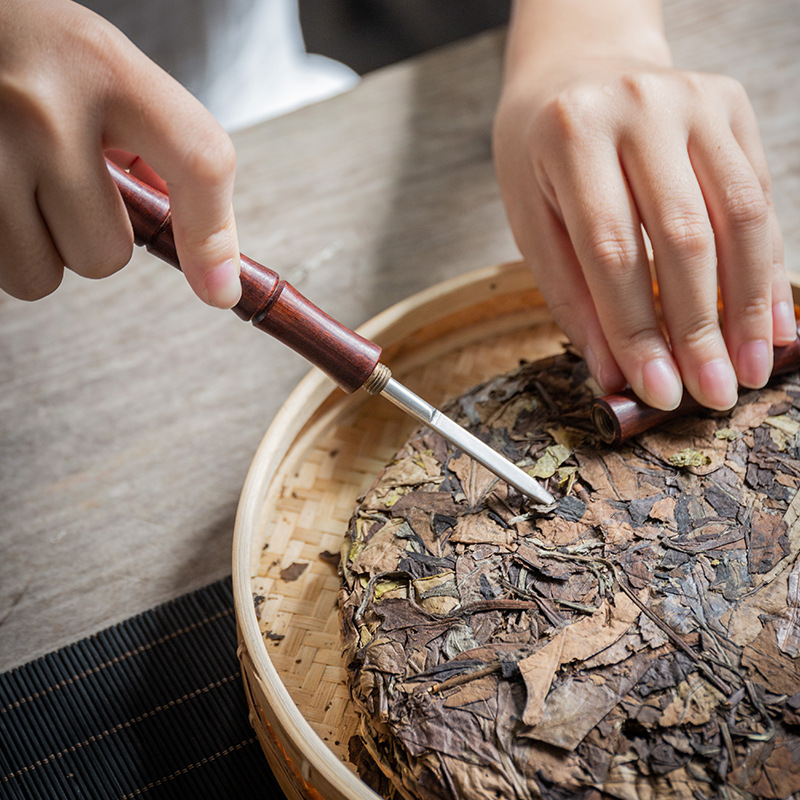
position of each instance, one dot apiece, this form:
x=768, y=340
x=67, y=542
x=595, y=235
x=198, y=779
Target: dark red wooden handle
x=271, y=304
x=618, y=417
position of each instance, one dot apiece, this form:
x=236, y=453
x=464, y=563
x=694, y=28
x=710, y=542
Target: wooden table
x=129, y=411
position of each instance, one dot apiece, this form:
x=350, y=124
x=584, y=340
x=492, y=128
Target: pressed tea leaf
x=638, y=639
x=546, y=466
x=689, y=457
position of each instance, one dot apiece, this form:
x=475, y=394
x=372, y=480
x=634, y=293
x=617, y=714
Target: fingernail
x=718, y=384
x=661, y=384
x=753, y=364
x=783, y=322
x=223, y=288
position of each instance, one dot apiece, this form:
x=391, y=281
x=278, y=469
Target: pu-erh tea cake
x=637, y=639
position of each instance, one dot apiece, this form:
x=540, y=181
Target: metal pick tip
x=531, y=488
x=468, y=442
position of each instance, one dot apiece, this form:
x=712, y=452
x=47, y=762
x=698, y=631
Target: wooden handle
x=618, y=417
x=271, y=304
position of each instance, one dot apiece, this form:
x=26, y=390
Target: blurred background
x=368, y=34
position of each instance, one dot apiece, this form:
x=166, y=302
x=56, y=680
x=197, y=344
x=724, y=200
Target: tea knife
x=277, y=308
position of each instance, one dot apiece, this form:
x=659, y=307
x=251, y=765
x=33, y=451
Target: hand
x=73, y=88
x=597, y=139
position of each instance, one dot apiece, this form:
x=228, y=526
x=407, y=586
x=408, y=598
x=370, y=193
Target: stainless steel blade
x=470, y=444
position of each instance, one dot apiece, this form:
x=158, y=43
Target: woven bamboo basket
x=322, y=451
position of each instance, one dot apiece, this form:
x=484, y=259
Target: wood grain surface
x=129, y=411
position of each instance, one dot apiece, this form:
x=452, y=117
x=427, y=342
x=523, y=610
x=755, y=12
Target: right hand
x=73, y=89
x=597, y=137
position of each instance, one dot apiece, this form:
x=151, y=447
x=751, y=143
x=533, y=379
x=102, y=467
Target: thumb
x=205, y=227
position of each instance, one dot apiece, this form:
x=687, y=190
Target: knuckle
x=25, y=100
x=754, y=312
x=637, y=86
x=689, y=235
x=727, y=86
x=97, y=36
x=207, y=244
x=745, y=206
x=696, y=83
x=570, y=113
x=38, y=96
x=641, y=338
x=102, y=46
x=212, y=158
x=643, y=93
x=202, y=243
x=698, y=332
x=611, y=252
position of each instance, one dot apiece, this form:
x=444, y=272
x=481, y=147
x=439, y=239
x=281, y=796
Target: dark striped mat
x=152, y=707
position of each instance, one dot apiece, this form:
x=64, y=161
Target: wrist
x=549, y=37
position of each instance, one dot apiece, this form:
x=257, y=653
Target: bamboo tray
x=323, y=450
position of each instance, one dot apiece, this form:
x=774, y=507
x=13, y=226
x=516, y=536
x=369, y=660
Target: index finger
x=189, y=150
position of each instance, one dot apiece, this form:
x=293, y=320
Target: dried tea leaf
x=663, y=510
x=788, y=626
x=577, y=704
x=480, y=529
x=769, y=666
x=577, y=642
x=382, y=552
x=406, y=474
x=750, y=415
x=784, y=423
x=590, y=635
x=538, y=671
x=651, y=633
x=743, y=623
x=510, y=411
x=694, y=704
x=475, y=479
x=479, y=690
x=559, y=531
x=615, y=653
x=437, y=593
x=330, y=558
x=547, y=464
x=691, y=442
x=293, y=572
x=389, y=588
x=688, y=457
x=780, y=777
x=769, y=543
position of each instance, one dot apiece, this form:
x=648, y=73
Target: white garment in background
x=245, y=60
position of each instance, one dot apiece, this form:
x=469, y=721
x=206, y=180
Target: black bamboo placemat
x=153, y=707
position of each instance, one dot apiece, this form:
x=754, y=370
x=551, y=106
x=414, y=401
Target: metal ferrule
x=376, y=382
